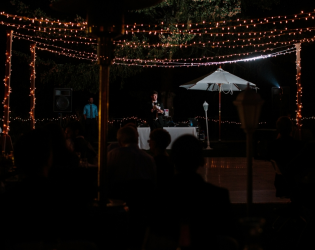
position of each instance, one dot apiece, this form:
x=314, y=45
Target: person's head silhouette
x=187, y=154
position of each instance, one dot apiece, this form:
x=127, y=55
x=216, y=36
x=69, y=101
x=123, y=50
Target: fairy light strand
x=298, y=86
x=7, y=87
x=203, y=23
x=290, y=50
x=32, y=86
x=42, y=20
x=58, y=47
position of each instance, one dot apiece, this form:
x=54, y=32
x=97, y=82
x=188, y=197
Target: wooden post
x=104, y=60
x=249, y=157
x=7, y=88
x=299, y=87
x=32, y=86
x=219, y=111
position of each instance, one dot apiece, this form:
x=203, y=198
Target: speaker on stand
x=62, y=101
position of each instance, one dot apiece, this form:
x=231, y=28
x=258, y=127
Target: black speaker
x=62, y=100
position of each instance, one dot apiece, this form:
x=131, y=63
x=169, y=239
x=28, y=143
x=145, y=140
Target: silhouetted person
x=28, y=206
x=158, y=142
x=41, y=208
x=77, y=143
x=116, y=144
x=128, y=165
x=132, y=178
x=62, y=155
x=192, y=212
x=283, y=150
x=66, y=176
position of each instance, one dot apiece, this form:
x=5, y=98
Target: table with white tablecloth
x=175, y=132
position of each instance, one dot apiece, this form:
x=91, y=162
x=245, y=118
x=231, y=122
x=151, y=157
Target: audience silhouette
x=191, y=213
x=42, y=207
x=77, y=143
x=283, y=150
x=158, y=142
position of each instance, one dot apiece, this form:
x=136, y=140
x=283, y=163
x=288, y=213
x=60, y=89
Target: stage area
x=230, y=173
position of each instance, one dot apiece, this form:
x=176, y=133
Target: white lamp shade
x=205, y=106
x=249, y=104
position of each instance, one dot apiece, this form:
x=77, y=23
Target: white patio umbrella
x=221, y=81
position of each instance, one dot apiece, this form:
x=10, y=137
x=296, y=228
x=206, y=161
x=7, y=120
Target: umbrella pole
x=219, y=112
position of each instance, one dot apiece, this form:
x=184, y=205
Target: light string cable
x=290, y=50
x=61, y=39
x=216, y=23
x=246, y=21
x=243, y=24
x=34, y=28
x=134, y=118
x=42, y=20
x=89, y=42
x=30, y=38
x=81, y=53
x=258, y=36
x=203, y=44
x=177, y=61
x=94, y=56
x=66, y=54
x=191, y=31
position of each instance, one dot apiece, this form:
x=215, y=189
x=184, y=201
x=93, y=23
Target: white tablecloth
x=175, y=132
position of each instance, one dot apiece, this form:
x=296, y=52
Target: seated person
x=190, y=204
x=158, y=142
x=29, y=203
x=77, y=143
x=131, y=177
x=116, y=144
x=62, y=155
x=129, y=166
x=283, y=150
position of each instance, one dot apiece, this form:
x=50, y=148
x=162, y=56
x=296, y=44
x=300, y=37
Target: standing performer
x=155, y=112
x=90, y=115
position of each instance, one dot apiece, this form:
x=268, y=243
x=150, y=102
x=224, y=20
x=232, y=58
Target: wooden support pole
x=104, y=60
x=7, y=88
x=220, y=111
x=32, y=86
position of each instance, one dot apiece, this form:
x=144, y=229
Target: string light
x=195, y=58
x=197, y=31
x=32, y=86
x=87, y=54
x=255, y=36
x=165, y=65
x=42, y=20
x=59, y=39
x=218, y=24
x=136, y=119
x=7, y=88
x=298, y=86
x=41, y=28
x=66, y=54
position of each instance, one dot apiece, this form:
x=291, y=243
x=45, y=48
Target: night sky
x=127, y=99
